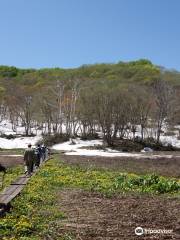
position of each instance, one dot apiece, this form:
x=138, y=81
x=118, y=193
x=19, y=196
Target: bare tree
x=163, y=98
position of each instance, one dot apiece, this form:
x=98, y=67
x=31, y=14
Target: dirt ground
x=10, y=161
x=162, y=166
x=91, y=216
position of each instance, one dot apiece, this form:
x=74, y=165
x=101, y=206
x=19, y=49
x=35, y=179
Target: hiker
x=29, y=158
x=47, y=153
x=43, y=150
x=38, y=155
x=3, y=170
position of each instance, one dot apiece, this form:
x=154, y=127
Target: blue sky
x=69, y=33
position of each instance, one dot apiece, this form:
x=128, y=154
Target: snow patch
x=20, y=142
x=67, y=146
x=77, y=150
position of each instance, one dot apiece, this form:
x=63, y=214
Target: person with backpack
x=38, y=155
x=29, y=159
x=43, y=149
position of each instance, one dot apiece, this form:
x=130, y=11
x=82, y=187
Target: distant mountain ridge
x=141, y=71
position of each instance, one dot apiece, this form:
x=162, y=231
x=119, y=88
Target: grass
x=12, y=151
x=35, y=213
x=11, y=174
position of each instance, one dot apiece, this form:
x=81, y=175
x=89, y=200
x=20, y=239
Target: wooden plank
x=22, y=180
x=15, y=188
x=7, y=198
x=10, y=192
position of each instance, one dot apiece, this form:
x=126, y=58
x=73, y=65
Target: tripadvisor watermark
x=140, y=231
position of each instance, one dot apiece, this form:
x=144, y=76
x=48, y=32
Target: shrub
x=165, y=186
x=127, y=145
x=151, y=142
x=169, y=133
x=90, y=136
x=50, y=140
x=10, y=136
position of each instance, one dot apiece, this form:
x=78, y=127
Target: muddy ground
x=162, y=166
x=10, y=161
x=92, y=216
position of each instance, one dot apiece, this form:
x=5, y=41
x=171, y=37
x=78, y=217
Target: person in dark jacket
x=38, y=155
x=29, y=159
x=43, y=149
x=3, y=170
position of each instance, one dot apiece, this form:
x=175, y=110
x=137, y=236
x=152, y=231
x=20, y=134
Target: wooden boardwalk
x=10, y=192
x=13, y=190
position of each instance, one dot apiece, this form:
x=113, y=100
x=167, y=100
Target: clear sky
x=69, y=33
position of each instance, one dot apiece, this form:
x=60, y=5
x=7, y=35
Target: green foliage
x=9, y=72
x=142, y=70
x=11, y=175
x=2, y=90
x=147, y=183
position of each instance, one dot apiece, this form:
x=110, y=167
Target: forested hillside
x=114, y=99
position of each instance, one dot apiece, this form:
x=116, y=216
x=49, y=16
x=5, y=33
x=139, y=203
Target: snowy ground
x=170, y=140
x=19, y=142
x=76, y=149
x=22, y=142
